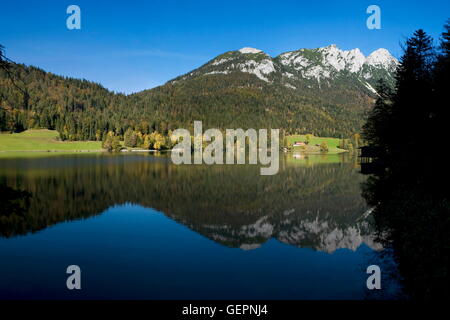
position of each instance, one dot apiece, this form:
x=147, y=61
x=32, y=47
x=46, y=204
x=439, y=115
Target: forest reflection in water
x=313, y=202
x=310, y=202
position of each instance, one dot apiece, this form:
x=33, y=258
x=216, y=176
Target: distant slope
x=324, y=91
x=328, y=73
x=242, y=100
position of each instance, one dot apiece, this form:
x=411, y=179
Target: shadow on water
x=412, y=219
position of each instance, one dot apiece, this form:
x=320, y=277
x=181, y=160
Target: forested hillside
x=83, y=110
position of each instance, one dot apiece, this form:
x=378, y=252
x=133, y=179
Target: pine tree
x=129, y=138
x=378, y=130
x=440, y=112
x=407, y=190
x=411, y=107
x=396, y=124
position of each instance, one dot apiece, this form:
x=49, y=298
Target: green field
x=43, y=140
x=332, y=143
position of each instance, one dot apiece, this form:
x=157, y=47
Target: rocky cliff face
x=315, y=69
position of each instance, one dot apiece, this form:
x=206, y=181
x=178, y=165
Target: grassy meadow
x=312, y=147
x=42, y=140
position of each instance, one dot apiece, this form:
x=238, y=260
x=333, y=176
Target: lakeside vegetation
x=39, y=142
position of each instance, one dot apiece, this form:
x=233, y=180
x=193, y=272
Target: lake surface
x=140, y=227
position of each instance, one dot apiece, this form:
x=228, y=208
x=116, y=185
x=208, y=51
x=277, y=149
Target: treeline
x=83, y=110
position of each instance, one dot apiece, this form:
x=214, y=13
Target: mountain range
x=324, y=91
x=305, y=69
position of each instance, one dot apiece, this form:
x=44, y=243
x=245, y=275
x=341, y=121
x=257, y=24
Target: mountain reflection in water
x=313, y=202
x=307, y=204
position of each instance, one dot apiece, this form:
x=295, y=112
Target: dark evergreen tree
x=440, y=106
x=378, y=130
x=408, y=188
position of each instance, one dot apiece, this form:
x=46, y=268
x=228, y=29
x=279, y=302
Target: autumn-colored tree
x=324, y=147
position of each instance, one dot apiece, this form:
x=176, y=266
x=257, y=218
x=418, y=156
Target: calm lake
x=140, y=227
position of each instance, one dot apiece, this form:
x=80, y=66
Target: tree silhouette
x=408, y=191
x=440, y=111
x=375, y=132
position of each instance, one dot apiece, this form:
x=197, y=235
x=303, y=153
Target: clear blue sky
x=128, y=46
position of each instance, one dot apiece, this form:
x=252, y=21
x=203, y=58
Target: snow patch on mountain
x=351, y=60
x=220, y=61
x=218, y=72
x=288, y=74
x=334, y=60
x=261, y=228
x=332, y=56
x=261, y=68
x=316, y=72
x=368, y=86
x=355, y=59
x=323, y=65
x=329, y=238
x=295, y=59
x=314, y=232
x=381, y=58
x=249, y=50
x=250, y=246
x=288, y=85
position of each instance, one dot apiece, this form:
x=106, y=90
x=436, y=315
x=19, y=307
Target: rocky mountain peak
x=382, y=58
x=310, y=68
